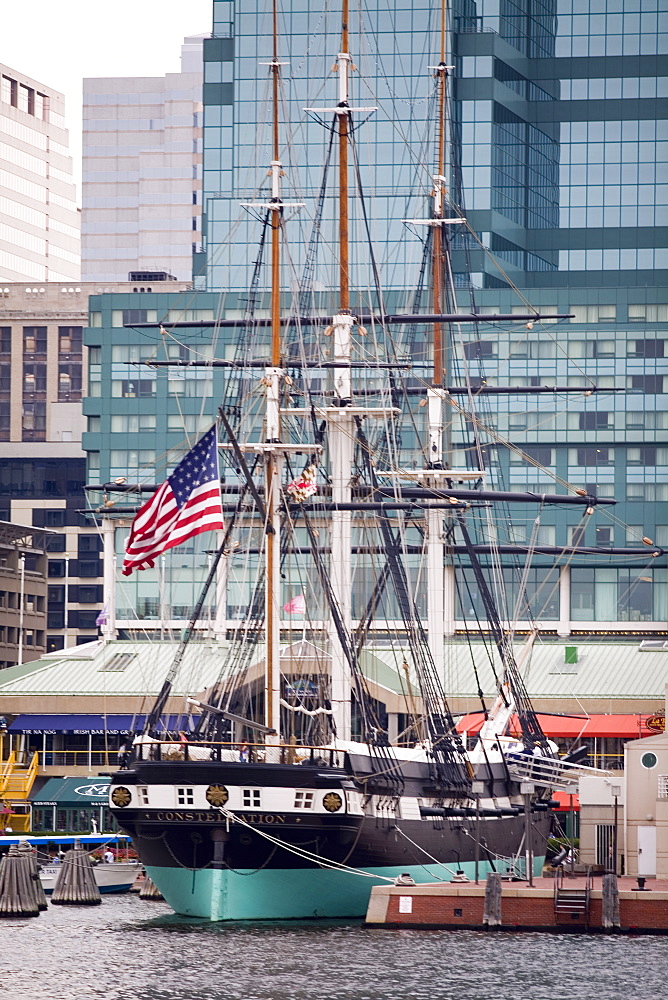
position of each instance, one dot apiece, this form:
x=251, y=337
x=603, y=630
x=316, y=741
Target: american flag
x=187, y=503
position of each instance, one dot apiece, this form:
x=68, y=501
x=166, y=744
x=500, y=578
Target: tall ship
x=290, y=789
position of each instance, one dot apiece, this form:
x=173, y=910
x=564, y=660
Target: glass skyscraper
x=558, y=138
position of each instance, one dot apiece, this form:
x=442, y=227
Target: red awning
x=564, y=800
x=630, y=727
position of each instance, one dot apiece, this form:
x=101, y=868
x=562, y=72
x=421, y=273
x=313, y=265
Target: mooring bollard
x=610, y=902
x=149, y=890
x=492, y=913
x=76, y=885
x=18, y=897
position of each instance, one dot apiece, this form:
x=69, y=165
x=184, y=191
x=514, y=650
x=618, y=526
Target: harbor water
x=129, y=949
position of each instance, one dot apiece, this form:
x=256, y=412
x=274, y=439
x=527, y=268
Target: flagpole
x=109, y=577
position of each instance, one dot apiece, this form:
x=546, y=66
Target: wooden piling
x=26, y=850
x=149, y=890
x=610, y=902
x=492, y=912
x=76, y=885
x=18, y=897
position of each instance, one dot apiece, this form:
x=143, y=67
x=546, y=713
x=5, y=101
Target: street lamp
x=616, y=792
x=477, y=789
x=527, y=788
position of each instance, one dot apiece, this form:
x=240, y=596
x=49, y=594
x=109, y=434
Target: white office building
x=142, y=172
x=39, y=220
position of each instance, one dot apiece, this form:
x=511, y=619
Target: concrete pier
x=461, y=905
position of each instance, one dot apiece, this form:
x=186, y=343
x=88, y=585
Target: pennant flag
x=103, y=616
x=297, y=606
x=187, y=503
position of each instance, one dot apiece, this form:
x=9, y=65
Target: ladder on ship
x=571, y=904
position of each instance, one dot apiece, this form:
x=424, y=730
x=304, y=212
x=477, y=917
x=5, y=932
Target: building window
x=594, y=421
x=590, y=456
x=5, y=340
x=592, y=314
x=647, y=455
x=118, y=662
x=56, y=543
x=576, y=535
x=10, y=91
x=133, y=423
x=131, y=316
x=87, y=619
x=89, y=569
x=647, y=383
x=34, y=340
x=34, y=379
x=539, y=454
x=603, y=537
x=647, y=349
x=70, y=340
x=34, y=421
x=251, y=798
x=89, y=543
x=69, y=382
x=649, y=313
x=133, y=389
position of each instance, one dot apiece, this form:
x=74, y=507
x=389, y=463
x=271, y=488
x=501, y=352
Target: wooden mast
x=440, y=600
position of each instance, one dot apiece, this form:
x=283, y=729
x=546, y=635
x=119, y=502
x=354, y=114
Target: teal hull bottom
x=288, y=893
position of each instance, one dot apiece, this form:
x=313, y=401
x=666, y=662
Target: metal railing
x=252, y=753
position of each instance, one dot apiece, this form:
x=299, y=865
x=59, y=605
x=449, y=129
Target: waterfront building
x=74, y=708
x=39, y=219
x=558, y=124
x=142, y=172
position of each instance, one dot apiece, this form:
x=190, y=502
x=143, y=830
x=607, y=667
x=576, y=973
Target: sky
x=60, y=43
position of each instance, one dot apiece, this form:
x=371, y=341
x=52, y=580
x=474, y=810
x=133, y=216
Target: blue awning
x=113, y=725
x=83, y=725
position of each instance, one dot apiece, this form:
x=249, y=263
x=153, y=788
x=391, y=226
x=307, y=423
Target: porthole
x=648, y=760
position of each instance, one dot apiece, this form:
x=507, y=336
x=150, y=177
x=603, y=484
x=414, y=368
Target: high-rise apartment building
x=558, y=131
x=142, y=172
x=39, y=220
x=43, y=380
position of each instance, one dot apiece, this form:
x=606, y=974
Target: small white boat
x=116, y=876
x=119, y=876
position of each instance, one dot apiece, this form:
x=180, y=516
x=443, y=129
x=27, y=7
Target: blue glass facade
x=559, y=134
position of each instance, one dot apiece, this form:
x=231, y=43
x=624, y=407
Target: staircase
x=16, y=781
x=571, y=905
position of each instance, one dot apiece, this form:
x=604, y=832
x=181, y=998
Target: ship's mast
x=341, y=420
x=440, y=574
x=273, y=461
